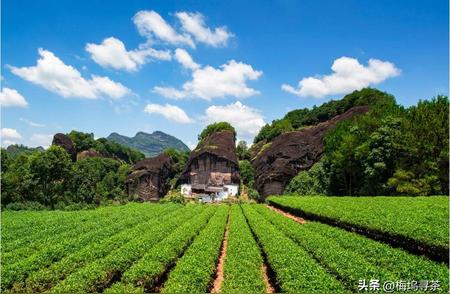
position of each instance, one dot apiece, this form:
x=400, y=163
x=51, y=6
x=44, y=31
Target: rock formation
x=213, y=163
x=281, y=160
x=88, y=153
x=65, y=142
x=149, y=179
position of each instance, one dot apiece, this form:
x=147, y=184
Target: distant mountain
x=149, y=144
x=15, y=150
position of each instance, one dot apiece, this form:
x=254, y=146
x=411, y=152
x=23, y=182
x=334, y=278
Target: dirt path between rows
x=217, y=284
x=269, y=288
x=287, y=214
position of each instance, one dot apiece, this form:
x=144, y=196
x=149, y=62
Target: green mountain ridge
x=149, y=144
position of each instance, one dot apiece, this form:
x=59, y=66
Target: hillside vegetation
x=39, y=179
x=391, y=150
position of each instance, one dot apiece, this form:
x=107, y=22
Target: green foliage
x=52, y=180
x=179, y=159
x=270, y=132
x=115, y=150
x=390, y=151
x=309, y=182
x=253, y=194
x=406, y=183
x=16, y=180
x=299, y=118
x=153, y=264
x=247, y=172
x=99, y=272
x=18, y=149
x=50, y=174
x=351, y=257
x=216, y=127
x=192, y=273
x=242, y=151
x=82, y=141
x=27, y=205
x=96, y=179
x=417, y=218
x=129, y=248
x=48, y=249
x=243, y=262
x=173, y=197
x=142, y=216
x=295, y=269
x=108, y=148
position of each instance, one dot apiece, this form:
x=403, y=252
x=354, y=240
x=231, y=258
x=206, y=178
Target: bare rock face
x=88, y=153
x=65, y=142
x=292, y=152
x=149, y=179
x=213, y=162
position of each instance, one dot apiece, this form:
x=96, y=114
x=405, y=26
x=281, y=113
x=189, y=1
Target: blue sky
x=175, y=66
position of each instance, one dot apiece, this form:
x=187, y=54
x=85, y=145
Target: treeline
x=296, y=119
x=107, y=148
x=392, y=150
x=40, y=179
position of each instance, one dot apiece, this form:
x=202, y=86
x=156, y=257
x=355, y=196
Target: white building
x=209, y=193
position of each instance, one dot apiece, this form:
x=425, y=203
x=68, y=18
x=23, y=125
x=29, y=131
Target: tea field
x=240, y=248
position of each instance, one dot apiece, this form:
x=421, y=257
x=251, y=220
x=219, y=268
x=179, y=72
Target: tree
x=179, y=159
x=216, y=127
x=309, y=182
x=50, y=172
x=16, y=181
x=296, y=119
x=242, y=151
x=82, y=141
x=247, y=172
x=93, y=180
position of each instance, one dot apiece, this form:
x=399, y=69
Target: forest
x=391, y=150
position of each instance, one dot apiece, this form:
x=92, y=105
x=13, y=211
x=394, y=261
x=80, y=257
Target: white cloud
x=193, y=23
x=169, y=92
x=6, y=143
x=246, y=120
x=9, y=136
x=10, y=97
x=44, y=140
x=109, y=88
x=170, y=112
x=150, y=24
x=191, y=145
x=112, y=53
x=183, y=57
x=31, y=123
x=348, y=75
x=52, y=74
x=209, y=82
x=7, y=133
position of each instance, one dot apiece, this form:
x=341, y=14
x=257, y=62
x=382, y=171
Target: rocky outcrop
x=213, y=162
x=281, y=160
x=65, y=142
x=149, y=179
x=88, y=153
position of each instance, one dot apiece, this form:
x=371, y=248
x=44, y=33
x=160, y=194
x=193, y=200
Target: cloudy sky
x=175, y=66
